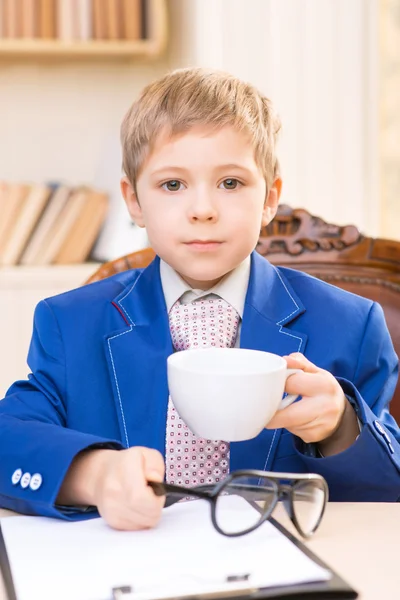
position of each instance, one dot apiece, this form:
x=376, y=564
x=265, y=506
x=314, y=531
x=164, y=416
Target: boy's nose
x=202, y=207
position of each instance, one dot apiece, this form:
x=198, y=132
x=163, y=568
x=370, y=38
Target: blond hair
x=195, y=96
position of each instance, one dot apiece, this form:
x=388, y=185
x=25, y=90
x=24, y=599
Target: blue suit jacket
x=98, y=359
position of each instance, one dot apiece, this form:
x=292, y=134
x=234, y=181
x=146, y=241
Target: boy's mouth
x=204, y=244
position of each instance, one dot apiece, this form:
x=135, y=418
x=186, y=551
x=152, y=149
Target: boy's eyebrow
x=226, y=167
x=168, y=168
x=232, y=166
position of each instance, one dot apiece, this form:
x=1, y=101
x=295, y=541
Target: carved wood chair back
x=340, y=255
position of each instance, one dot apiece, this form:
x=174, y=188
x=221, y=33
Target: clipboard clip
x=119, y=592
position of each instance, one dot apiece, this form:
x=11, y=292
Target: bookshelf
x=21, y=288
x=151, y=47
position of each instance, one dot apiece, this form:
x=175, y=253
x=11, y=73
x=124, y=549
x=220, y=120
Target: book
x=131, y=19
x=10, y=16
x=20, y=16
x=84, y=20
x=47, y=18
x=12, y=204
x=28, y=18
x=75, y=15
x=99, y=19
x=62, y=227
x=41, y=236
x=65, y=20
x=113, y=19
x=145, y=19
x=28, y=216
x=80, y=241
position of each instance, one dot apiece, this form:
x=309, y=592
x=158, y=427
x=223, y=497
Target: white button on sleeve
x=36, y=481
x=25, y=480
x=16, y=476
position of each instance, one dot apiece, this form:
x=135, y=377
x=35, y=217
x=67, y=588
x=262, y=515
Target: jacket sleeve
x=370, y=469
x=34, y=439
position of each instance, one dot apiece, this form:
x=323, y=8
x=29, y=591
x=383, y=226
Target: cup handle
x=287, y=400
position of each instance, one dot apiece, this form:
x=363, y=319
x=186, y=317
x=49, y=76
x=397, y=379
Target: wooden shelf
x=151, y=47
x=100, y=48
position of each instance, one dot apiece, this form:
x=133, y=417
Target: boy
x=93, y=423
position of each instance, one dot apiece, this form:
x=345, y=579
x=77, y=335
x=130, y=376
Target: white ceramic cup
x=228, y=394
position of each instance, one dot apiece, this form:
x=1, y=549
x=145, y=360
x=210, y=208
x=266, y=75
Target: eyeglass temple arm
x=175, y=493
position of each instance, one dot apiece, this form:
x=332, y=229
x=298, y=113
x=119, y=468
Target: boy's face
x=202, y=199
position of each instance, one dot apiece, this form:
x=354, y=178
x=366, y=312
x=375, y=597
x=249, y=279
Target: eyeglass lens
x=308, y=504
x=255, y=489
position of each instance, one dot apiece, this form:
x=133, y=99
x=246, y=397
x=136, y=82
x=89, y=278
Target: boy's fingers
x=153, y=464
x=298, y=414
x=311, y=384
x=296, y=360
x=144, y=464
x=126, y=501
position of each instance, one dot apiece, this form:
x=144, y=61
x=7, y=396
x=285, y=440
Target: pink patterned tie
x=191, y=460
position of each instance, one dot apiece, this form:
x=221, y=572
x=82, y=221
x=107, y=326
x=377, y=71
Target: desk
x=358, y=540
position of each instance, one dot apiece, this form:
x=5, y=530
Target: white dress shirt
x=232, y=288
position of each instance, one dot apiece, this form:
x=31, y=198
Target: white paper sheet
x=84, y=560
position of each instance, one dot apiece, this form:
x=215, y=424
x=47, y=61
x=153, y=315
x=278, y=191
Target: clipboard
x=334, y=588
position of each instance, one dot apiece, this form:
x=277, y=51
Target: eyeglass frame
x=211, y=492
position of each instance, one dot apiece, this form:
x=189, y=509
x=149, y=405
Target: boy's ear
x=272, y=201
x=132, y=202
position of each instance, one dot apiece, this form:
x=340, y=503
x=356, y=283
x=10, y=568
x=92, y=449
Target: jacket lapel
x=271, y=305
x=137, y=357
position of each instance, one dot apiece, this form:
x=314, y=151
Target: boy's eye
x=230, y=183
x=172, y=186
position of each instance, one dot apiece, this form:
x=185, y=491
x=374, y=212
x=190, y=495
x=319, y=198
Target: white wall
x=390, y=117
x=314, y=58
x=317, y=60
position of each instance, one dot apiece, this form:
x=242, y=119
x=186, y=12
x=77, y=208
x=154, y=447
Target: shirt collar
x=232, y=288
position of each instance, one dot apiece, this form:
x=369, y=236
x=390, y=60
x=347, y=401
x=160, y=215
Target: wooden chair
x=340, y=255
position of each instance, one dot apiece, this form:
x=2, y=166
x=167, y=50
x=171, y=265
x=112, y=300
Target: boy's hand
x=323, y=414
x=115, y=481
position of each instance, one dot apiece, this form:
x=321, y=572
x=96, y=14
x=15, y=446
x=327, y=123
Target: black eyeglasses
x=304, y=497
